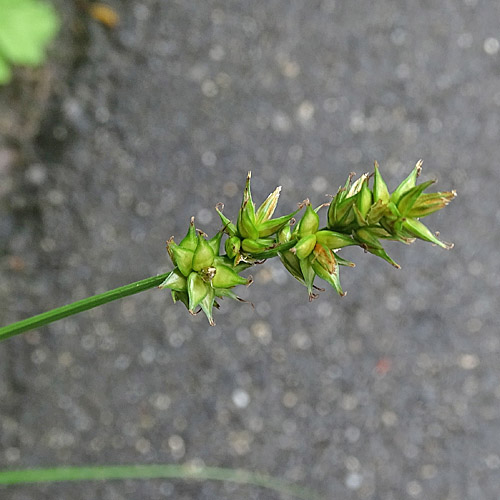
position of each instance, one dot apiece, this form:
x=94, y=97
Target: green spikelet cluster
x=357, y=215
x=372, y=215
x=314, y=251
x=201, y=275
x=252, y=235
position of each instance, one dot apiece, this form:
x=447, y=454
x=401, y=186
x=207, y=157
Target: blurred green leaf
x=4, y=72
x=26, y=27
x=152, y=471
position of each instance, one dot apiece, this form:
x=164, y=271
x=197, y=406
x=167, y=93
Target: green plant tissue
x=26, y=27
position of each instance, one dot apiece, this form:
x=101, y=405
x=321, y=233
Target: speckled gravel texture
x=390, y=393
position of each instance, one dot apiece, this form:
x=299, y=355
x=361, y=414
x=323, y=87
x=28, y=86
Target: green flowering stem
x=268, y=254
x=106, y=472
x=357, y=215
x=79, y=306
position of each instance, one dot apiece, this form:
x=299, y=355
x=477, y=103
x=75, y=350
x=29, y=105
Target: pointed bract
x=309, y=223
x=356, y=186
x=344, y=262
x=428, y=203
x=365, y=198
x=246, y=223
x=292, y=265
x=380, y=191
x=207, y=305
x=371, y=244
x=266, y=210
x=257, y=246
x=183, y=259
x=182, y=296
x=175, y=281
x=376, y=212
x=190, y=241
x=203, y=255
x=215, y=242
x=197, y=290
x=340, y=213
x=232, y=246
x=408, y=199
x=305, y=246
x=422, y=232
x=334, y=240
x=285, y=233
x=274, y=250
x=325, y=257
x=331, y=278
x=308, y=274
x=225, y=277
x=229, y=227
x=408, y=183
x=272, y=226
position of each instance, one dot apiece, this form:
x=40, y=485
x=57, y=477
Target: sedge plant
x=363, y=213
x=206, y=270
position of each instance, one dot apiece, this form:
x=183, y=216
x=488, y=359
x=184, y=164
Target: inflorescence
x=357, y=215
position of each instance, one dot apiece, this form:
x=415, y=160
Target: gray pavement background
x=389, y=393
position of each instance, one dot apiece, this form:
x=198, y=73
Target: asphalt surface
x=390, y=393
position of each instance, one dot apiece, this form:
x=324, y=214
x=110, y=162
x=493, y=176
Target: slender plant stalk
x=79, y=306
x=184, y=472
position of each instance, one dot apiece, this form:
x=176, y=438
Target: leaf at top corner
x=26, y=26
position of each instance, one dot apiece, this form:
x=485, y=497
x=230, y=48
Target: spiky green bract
x=287, y=257
x=232, y=246
x=197, y=290
x=428, y=203
x=190, y=241
x=380, y=191
x=175, y=281
x=203, y=256
x=256, y=246
x=408, y=183
x=215, y=242
x=417, y=229
x=365, y=198
x=408, y=199
x=183, y=258
x=326, y=267
x=292, y=265
x=228, y=226
x=305, y=246
x=226, y=277
x=367, y=240
x=309, y=223
x=308, y=274
x=207, y=305
x=340, y=212
x=180, y=296
x=334, y=240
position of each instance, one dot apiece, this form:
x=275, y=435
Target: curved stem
x=154, y=471
x=79, y=306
